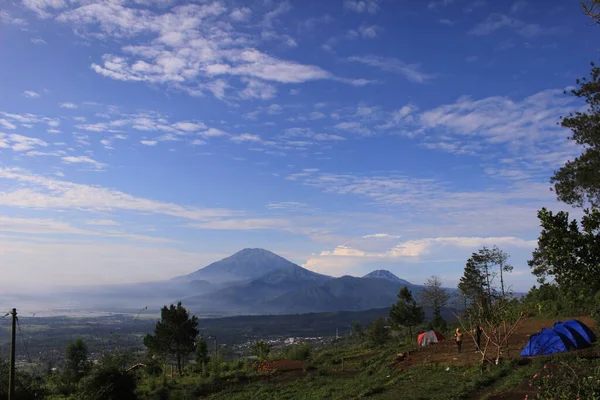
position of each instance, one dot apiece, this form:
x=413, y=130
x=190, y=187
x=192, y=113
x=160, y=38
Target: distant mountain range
x=250, y=282
x=257, y=281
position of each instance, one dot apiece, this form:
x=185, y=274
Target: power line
x=24, y=342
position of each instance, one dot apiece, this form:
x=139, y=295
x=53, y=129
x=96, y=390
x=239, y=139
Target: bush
x=300, y=352
x=568, y=380
x=108, y=381
x=27, y=387
x=377, y=332
x=261, y=349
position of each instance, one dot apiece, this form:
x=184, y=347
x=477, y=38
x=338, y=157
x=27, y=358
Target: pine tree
x=406, y=312
x=174, y=335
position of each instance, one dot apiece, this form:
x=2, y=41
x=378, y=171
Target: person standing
x=478, y=332
x=459, y=338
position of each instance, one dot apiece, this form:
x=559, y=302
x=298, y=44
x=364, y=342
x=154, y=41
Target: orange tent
x=429, y=337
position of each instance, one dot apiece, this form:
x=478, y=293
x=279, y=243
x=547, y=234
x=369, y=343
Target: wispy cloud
x=31, y=94
x=498, y=21
x=83, y=160
x=362, y=6
x=71, y=106
x=409, y=71
x=39, y=192
x=6, y=18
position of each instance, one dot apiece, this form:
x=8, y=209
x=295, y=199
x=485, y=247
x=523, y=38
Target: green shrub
x=568, y=380
x=300, y=352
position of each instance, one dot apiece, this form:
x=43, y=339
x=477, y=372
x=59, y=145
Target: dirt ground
x=445, y=353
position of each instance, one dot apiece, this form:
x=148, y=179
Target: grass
x=351, y=371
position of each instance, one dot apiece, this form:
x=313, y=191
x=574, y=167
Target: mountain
x=251, y=296
x=387, y=275
x=347, y=293
x=243, y=265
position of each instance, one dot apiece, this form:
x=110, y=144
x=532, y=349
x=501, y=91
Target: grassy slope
x=368, y=374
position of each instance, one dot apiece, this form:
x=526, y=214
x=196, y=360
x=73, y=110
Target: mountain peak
x=246, y=263
x=387, y=275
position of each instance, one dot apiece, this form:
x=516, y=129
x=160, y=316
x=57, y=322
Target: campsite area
x=437, y=371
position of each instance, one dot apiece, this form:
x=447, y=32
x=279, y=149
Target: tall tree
x=500, y=258
x=435, y=296
x=569, y=253
x=473, y=285
x=405, y=311
x=77, y=363
x=578, y=182
x=477, y=282
x=174, y=335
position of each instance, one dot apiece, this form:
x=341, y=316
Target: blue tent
x=547, y=341
x=581, y=328
x=575, y=337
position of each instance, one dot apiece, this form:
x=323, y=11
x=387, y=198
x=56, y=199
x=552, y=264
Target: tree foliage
x=77, y=364
x=478, y=281
x=377, y=332
x=27, y=386
x=109, y=380
x=568, y=253
x=578, y=181
x=405, y=311
x=358, y=331
x=435, y=296
x=174, y=335
x=202, y=356
x=261, y=349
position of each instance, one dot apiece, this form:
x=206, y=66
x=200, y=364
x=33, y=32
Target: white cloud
x=148, y=142
x=6, y=18
x=344, y=259
x=6, y=124
x=369, y=32
x=434, y=5
x=83, y=160
x=20, y=143
x=246, y=137
x=240, y=14
x=271, y=17
x=47, y=193
x=361, y=6
x=256, y=89
x=409, y=71
x=41, y=6
x=189, y=126
x=71, y=106
x=187, y=46
x=102, y=222
x=498, y=21
x=213, y=132
x=381, y=236
x=38, y=41
x=31, y=94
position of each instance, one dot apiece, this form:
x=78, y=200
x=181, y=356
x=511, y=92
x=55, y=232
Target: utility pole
x=11, y=376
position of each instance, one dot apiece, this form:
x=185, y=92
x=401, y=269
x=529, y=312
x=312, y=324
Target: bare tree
x=499, y=323
x=591, y=8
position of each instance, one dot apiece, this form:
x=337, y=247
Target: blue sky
x=143, y=139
